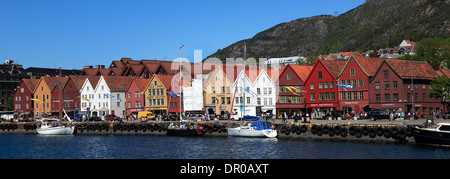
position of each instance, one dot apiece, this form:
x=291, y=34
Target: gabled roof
x=118, y=83
x=421, y=70
x=166, y=80
x=302, y=71
x=444, y=72
x=334, y=66
x=78, y=80
x=30, y=84
x=368, y=65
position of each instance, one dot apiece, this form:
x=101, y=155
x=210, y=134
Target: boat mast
x=243, y=80
x=181, y=50
x=60, y=95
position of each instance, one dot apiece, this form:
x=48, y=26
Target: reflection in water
x=163, y=147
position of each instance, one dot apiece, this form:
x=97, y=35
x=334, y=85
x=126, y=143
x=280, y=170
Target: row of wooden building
x=129, y=86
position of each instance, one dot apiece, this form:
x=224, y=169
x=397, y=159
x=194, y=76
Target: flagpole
x=181, y=50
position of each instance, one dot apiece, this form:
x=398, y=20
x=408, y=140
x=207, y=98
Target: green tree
x=440, y=88
x=435, y=51
x=10, y=105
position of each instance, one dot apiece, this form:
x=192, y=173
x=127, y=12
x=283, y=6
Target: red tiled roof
x=334, y=66
x=445, y=72
x=31, y=83
x=421, y=70
x=166, y=80
x=118, y=83
x=368, y=64
x=302, y=71
x=142, y=83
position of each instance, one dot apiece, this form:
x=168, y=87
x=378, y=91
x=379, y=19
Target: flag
x=37, y=100
x=83, y=98
x=250, y=92
x=345, y=86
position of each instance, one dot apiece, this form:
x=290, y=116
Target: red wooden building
x=71, y=94
x=393, y=88
x=55, y=95
x=135, y=96
x=357, y=72
x=321, y=88
x=23, y=105
x=291, y=89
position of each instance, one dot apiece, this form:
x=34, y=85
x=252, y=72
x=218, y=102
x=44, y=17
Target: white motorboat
x=50, y=127
x=261, y=129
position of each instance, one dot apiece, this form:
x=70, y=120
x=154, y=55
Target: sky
x=77, y=33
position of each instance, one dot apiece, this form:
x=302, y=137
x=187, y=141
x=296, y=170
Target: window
x=289, y=76
x=355, y=95
x=395, y=97
x=223, y=100
x=311, y=86
x=352, y=72
x=332, y=96
x=386, y=85
x=387, y=97
x=320, y=96
x=155, y=83
x=228, y=100
x=320, y=86
x=378, y=97
x=222, y=89
x=248, y=100
x=408, y=97
x=258, y=101
x=325, y=85
x=312, y=96
x=270, y=90
x=424, y=96
x=213, y=89
x=327, y=96
x=354, y=83
x=258, y=91
x=228, y=89
x=343, y=96
x=377, y=85
x=213, y=100
x=361, y=83
x=394, y=85
x=361, y=95
x=281, y=89
x=386, y=74
x=319, y=75
x=331, y=85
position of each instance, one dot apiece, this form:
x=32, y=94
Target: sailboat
x=184, y=129
x=51, y=127
x=255, y=129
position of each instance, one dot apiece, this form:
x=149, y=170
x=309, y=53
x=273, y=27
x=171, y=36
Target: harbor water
x=164, y=147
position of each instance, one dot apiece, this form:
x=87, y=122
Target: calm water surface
x=164, y=147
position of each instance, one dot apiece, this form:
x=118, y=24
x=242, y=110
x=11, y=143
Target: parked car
x=194, y=117
x=111, y=117
x=446, y=115
x=336, y=113
x=94, y=119
x=374, y=115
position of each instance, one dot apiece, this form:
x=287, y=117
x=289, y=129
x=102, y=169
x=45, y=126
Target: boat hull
x=430, y=137
x=185, y=132
x=240, y=132
x=56, y=130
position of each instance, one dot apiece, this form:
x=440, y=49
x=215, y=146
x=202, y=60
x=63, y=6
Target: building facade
x=321, y=87
x=357, y=72
x=135, y=96
x=403, y=86
x=23, y=105
x=218, y=93
x=291, y=89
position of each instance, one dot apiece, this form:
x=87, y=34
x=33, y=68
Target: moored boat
x=438, y=135
x=185, y=130
x=51, y=127
x=261, y=129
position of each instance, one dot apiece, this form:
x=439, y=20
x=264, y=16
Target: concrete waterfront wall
x=336, y=130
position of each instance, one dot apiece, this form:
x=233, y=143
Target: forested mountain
x=373, y=25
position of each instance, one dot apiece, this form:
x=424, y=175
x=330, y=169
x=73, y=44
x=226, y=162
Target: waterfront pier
x=363, y=130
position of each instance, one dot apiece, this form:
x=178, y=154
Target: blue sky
x=74, y=33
